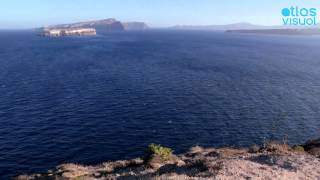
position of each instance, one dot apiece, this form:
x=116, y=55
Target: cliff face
x=101, y=26
x=135, y=26
x=70, y=32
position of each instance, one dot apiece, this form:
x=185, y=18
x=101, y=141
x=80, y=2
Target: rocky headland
x=269, y=161
x=91, y=28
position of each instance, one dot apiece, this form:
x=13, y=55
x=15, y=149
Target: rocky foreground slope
x=270, y=161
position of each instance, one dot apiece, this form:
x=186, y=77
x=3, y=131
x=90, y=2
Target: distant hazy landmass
x=135, y=26
x=252, y=28
x=221, y=27
x=314, y=31
x=239, y=26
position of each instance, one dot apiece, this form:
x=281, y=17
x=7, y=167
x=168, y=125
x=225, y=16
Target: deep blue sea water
x=93, y=99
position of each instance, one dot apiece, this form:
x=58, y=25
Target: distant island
x=234, y=26
x=254, y=29
x=89, y=28
x=313, y=31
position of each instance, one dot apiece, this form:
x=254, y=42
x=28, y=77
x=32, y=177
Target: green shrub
x=298, y=148
x=157, y=150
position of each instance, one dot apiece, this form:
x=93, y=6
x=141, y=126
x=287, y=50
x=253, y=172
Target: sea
x=100, y=98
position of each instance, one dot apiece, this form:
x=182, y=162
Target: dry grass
x=196, y=149
x=229, y=152
x=277, y=147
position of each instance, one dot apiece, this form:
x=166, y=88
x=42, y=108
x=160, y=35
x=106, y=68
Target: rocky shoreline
x=269, y=161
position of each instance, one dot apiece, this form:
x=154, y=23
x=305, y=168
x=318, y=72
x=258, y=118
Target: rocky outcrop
x=270, y=161
x=313, y=147
x=134, y=26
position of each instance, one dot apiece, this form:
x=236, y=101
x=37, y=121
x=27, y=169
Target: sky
x=20, y=14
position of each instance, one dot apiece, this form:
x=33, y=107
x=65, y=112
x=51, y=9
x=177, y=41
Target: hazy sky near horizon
x=15, y=14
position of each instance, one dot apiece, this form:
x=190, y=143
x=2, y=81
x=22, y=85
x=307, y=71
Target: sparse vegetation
x=274, y=146
x=298, y=149
x=157, y=150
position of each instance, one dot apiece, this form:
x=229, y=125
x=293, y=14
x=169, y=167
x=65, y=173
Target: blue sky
x=33, y=13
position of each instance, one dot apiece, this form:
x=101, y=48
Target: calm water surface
x=92, y=99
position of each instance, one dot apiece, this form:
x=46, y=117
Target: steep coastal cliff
x=104, y=25
x=70, y=32
x=88, y=28
x=91, y=28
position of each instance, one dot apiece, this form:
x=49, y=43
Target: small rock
x=311, y=144
x=315, y=151
x=154, y=165
x=213, y=154
x=312, y=147
x=22, y=177
x=155, y=162
x=180, y=163
x=97, y=174
x=67, y=175
x=254, y=149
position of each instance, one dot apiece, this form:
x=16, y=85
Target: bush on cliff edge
x=163, y=153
